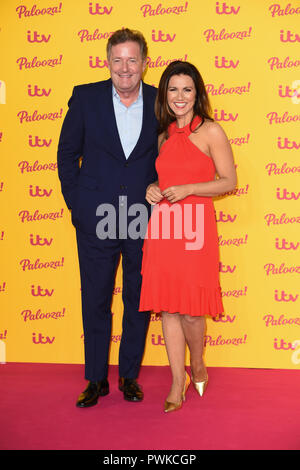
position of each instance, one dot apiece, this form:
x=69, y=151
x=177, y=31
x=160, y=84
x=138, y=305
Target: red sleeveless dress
x=180, y=267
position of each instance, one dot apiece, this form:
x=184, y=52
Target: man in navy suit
x=110, y=124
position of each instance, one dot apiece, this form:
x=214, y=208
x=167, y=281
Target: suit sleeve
x=70, y=148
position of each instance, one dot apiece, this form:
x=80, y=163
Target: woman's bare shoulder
x=212, y=126
x=211, y=129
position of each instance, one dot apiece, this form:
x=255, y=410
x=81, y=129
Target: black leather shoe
x=131, y=390
x=91, y=394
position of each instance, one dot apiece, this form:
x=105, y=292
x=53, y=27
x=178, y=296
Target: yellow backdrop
x=248, y=55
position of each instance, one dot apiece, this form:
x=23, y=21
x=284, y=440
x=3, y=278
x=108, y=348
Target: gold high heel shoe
x=169, y=406
x=200, y=386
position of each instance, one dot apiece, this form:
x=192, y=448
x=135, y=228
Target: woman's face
x=181, y=96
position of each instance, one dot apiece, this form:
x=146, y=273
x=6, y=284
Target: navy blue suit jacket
x=90, y=131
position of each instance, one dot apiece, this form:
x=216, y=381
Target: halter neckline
x=190, y=127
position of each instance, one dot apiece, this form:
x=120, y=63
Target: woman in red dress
x=180, y=255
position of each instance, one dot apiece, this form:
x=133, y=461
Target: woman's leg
x=194, y=330
x=175, y=346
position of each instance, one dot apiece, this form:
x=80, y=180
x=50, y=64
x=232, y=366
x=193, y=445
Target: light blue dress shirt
x=129, y=120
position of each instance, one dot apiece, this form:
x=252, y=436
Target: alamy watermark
x=176, y=221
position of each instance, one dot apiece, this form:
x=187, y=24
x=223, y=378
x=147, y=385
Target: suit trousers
x=98, y=262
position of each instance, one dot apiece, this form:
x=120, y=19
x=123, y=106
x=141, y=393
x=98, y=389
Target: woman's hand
x=153, y=193
x=177, y=193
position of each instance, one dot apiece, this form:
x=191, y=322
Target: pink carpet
x=242, y=409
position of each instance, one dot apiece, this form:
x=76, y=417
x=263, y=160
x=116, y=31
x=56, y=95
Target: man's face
x=126, y=66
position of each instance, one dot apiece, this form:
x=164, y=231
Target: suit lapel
x=112, y=139
x=145, y=125
x=113, y=142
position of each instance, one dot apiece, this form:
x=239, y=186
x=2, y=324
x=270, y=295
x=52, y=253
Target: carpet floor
x=242, y=409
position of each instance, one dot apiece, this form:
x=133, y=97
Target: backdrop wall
x=248, y=55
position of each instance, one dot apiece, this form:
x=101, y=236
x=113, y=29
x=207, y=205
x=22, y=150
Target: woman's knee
x=193, y=320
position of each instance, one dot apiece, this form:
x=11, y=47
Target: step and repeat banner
x=248, y=55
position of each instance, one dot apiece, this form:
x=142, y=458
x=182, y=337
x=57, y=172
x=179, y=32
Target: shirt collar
x=117, y=96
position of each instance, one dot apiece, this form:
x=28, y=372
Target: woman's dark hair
x=202, y=107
